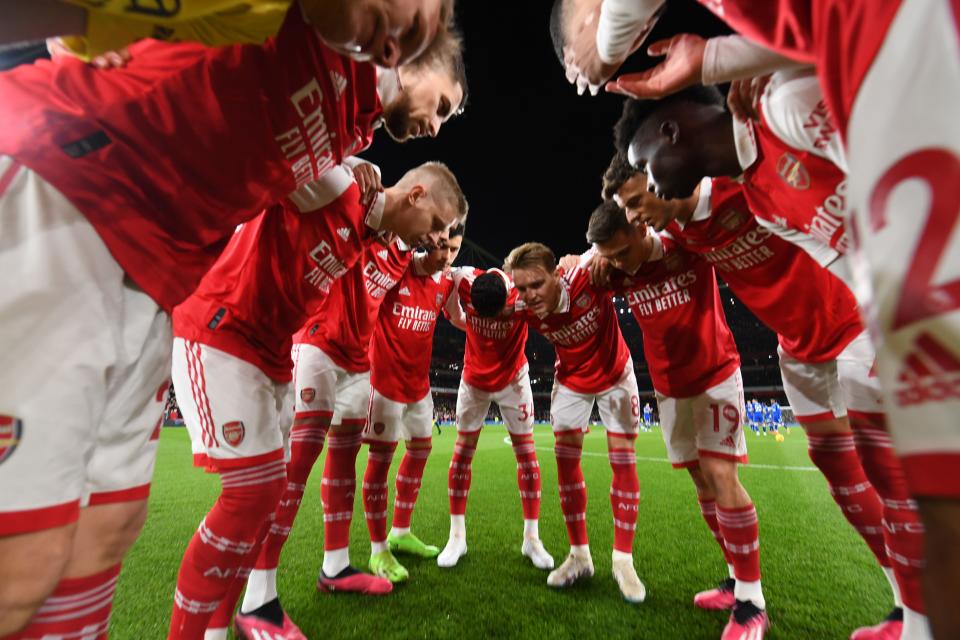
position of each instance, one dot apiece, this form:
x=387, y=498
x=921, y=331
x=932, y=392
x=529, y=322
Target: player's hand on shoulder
x=744, y=96
x=568, y=263
x=600, y=270
x=368, y=180
x=681, y=68
x=112, y=59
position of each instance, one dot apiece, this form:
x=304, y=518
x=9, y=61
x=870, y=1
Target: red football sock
x=573, y=491
x=625, y=489
x=741, y=535
x=836, y=457
x=375, y=488
x=409, y=476
x=339, y=484
x=903, y=530
x=306, y=443
x=78, y=608
x=226, y=538
x=528, y=474
x=708, y=509
x=459, y=476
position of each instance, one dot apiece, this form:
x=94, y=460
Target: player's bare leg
x=337, y=491
x=737, y=519
x=573, y=502
x=409, y=476
x=33, y=565
x=458, y=489
x=625, y=500
x=721, y=597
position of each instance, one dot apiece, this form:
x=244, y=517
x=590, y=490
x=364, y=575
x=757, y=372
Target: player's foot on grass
x=631, y=588
x=268, y=621
x=353, y=581
x=456, y=548
x=719, y=599
x=533, y=548
x=411, y=544
x=385, y=565
x=747, y=622
x=889, y=629
x=577, y=566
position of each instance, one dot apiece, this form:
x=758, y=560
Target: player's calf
x=459, y=478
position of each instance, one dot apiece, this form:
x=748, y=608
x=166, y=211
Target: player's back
x=494, y=350
x=165, y=157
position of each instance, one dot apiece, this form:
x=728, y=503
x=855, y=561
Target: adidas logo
x=343, y=232
x=339, y=83
x=728, y=442
x=404, y=291
x=383, y=254
x=930, y=373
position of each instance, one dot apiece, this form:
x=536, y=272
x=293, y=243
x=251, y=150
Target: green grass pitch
x=819, y=578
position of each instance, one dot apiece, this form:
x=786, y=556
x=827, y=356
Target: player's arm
x=453, y=309
x=826, y=256
x=796, y=112
x=690, y=59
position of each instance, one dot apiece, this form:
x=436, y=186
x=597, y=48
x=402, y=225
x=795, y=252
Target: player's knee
x=468, y=438
x=572, y=438
x=33, y=565
x=721, y=475
x=112, y=530
x=704, y=490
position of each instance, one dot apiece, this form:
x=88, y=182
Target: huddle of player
x=195, y=210
x=796, y=200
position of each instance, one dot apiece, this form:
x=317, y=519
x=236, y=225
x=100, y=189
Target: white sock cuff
x=621, y=555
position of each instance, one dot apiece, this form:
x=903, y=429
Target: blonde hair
x=531, y=254
x=442, y=186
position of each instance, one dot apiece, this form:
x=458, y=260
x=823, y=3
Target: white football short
x=231, y=408
x=619, y=406
x=709, y=424
x=813, y=389
x=323, y=386
x=904, y=158
x=86, y=363
x=515, y=401
x=392, y=421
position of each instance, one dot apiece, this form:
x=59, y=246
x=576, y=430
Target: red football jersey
x=344, y=324
x=276, y=271
x=403, y=339
x=796, y=189
x=166, y=156
x=591, y=352
x=686, y=341
x=841, y=37
x=494, y=349
x=813, y=313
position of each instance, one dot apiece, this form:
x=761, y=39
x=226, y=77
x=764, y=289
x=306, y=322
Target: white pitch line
x=775, y=467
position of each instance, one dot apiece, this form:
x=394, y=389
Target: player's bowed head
x=627, y=186
x=434, y=90
x=622, y=243
x=679, y=140
x=533, y=267
x=423, y=204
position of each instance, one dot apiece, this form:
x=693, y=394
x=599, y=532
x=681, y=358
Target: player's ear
x=417, y=193
x=670, y=130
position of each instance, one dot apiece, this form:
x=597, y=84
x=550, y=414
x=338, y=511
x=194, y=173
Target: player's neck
x=687, y=206
x=721, y=147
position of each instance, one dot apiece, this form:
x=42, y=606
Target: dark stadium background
x=529, y=153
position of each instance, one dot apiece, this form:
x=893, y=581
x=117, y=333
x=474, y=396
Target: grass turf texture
x=820, y=580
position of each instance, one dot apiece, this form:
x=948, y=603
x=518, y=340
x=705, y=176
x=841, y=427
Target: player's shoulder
x=325, y=190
